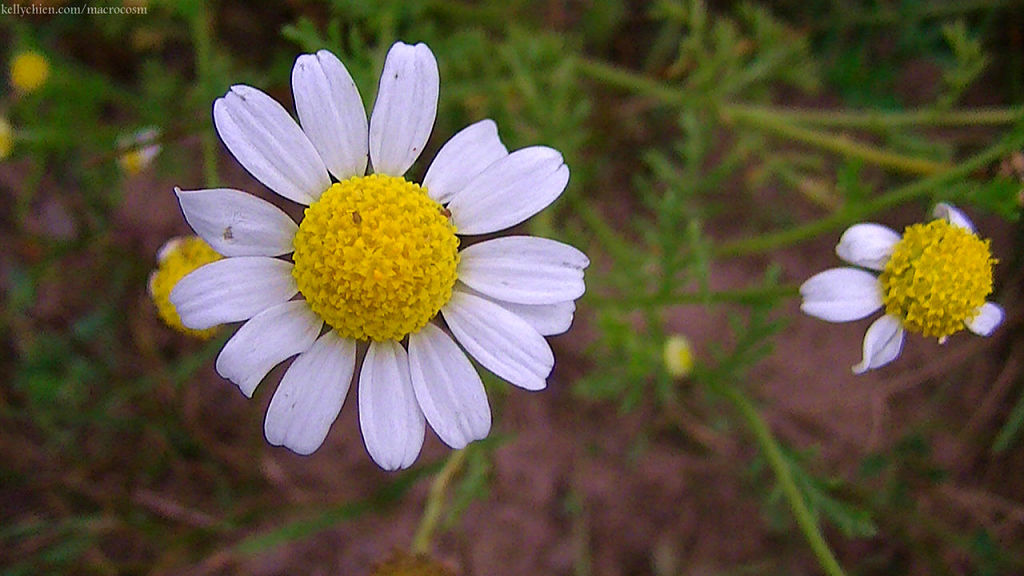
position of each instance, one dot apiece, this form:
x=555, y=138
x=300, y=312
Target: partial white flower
x=376, y=259
x=933, y=280
x=136, y=151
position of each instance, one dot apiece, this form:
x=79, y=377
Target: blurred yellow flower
x=137, y=150
x=6, y=138
x=678, y=356
x=29, y=71
x=177, y=258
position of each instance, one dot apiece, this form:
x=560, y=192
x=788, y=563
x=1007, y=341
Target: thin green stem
x=202, y=40
x=769, y=446
x=786, y=122
x=739, y=296
x=882, y=120
x=435, y=502
x=854, y=213
x=632, y=81
x=837, y=143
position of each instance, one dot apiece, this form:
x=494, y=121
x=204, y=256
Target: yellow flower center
x=937, y=278
x=29, y=71
x=375, y=257
x=178, y=258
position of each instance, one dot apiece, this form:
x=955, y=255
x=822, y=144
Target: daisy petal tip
x=953, y=215
x=883, y=343
x=406, y=107
x=868, y=245
x=303, y=446
x=535, y=385
x=268, y=143
x=840, y=295
x=390, y=419
x=988, y=318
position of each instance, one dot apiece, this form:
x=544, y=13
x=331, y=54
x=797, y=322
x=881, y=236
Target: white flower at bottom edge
x=376, y=259
x=934, y=280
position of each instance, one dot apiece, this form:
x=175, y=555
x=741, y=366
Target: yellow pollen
x=937, y=278
x=29, y=71
x=178, y=258
x=375, y=257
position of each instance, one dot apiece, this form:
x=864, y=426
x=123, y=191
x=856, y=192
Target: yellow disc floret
x=375, y=257
x=178, y=258
x=937, y=278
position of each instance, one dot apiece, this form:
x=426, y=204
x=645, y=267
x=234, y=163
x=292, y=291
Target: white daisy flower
x=376, y=259
x=136, y=151
x=934, y=280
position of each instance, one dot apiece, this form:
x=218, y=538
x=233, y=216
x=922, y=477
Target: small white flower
x=934, y=280
x=136, y=151
x=376, y=259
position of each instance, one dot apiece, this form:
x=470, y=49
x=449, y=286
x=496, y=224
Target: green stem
x=632, y=81
x=784, y=122
x=854, y=213
x=773, y=453
x=881, y=120
x=837, y=143
x=435, y=502
x=201, y=38
x=739, y=296
x=641, y=84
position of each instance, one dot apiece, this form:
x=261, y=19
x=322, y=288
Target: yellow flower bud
x=29, y=71
x=678, y=356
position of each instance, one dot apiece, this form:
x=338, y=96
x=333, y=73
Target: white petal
x=311, y=395
x=841, y=294
x=389, y=416
x=448, y=389
x=404, y=112
x=867, y=245
x=269, y=144
x=524, y=269
x=546, y=319
x=266, y=340
x=237, y=224
x=953, y=215
x=510, y=191
x=882, y=344
x=168, y=248
x=232, y=289
x=503, y=342
x=462, y=158
x=331, y=112
x=989, y=317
